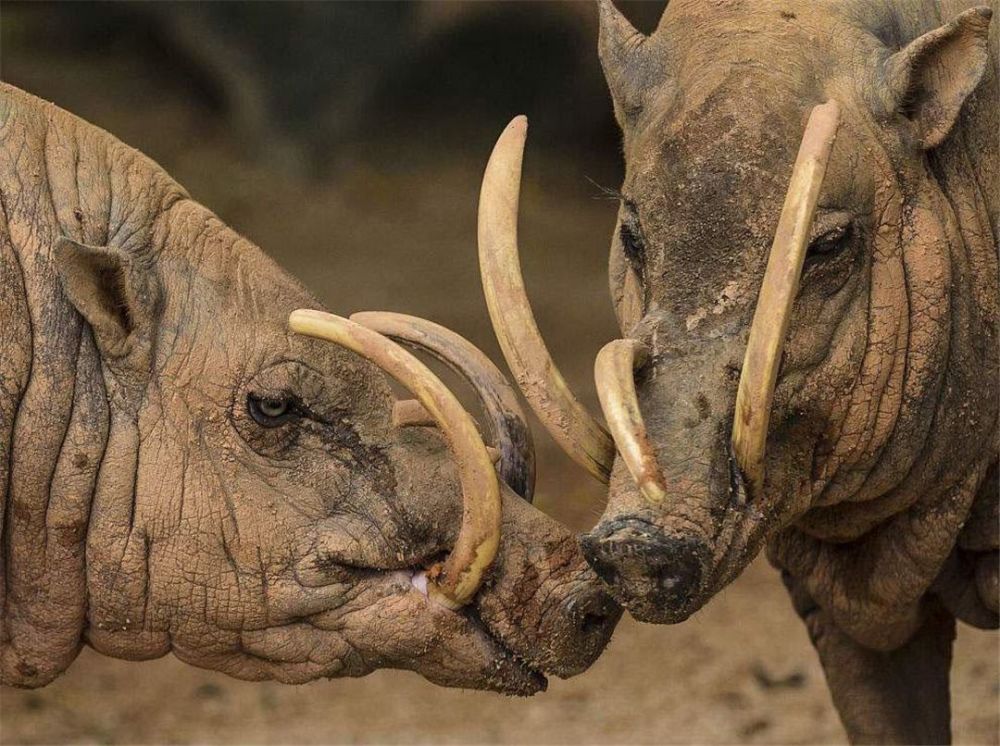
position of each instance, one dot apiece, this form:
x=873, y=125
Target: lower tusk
x=503, y=418
x=411, y=413
x=580, y=435
x=777, y=294
x=455, y=581
x=614, y=373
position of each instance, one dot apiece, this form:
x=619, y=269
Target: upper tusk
x=579, y=434
x=777, y=294
x=456, y=581
x=503, y=419
x=614, y=373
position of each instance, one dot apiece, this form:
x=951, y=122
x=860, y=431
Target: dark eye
x=271, y=411
x=631, y=244
x=630, y=235
x=830, y=233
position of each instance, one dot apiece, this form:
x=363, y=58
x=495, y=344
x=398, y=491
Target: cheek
x=631, y=307
x=829, y=315
x=826, y=349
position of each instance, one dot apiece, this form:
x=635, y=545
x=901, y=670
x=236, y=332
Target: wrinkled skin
x=147, y=510
x=884, y=424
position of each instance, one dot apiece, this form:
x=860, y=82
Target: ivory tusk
x=574, y=429
x=411, y=413
x=777, y=294
x=614, y=373
x=456, y=580
x=503, y=418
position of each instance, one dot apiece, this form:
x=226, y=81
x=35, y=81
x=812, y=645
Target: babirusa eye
x=631, y=244
x=830, y=233
x=270, y=411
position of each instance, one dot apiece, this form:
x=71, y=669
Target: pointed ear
x=931, y=77
x=632, y=65
x=102, y=284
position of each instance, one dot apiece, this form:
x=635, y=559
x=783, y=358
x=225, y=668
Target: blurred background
x=348, y=139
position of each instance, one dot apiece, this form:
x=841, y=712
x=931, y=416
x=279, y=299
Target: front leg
x=899, y=696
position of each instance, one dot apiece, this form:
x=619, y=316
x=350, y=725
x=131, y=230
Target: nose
x=656, y=576
x=590, y=616
x=577, y=625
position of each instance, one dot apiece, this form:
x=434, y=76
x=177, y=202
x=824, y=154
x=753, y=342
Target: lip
x=526, y=679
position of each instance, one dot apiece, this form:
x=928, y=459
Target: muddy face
x=709, y=147
x=290, y=520
x=716, y=108
x=700, y=204
x=207, y=479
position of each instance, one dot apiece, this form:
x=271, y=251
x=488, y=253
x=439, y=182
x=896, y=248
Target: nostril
x=669, y=581
x=593, y=622
x=676, y=580
x=593, y=614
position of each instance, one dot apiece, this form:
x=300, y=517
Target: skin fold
x=182, y=474
x=880, y=498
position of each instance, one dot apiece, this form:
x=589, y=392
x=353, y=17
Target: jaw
x=391, y=623
x=541, y=608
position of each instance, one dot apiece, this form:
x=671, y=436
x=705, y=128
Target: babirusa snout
x=457, y=579
x=755, y=394
x=580, y=435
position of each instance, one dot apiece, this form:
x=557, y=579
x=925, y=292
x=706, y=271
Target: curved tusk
x=777, y=294
x=503, y=417
x=580, y=435
x=455, y=581
x=411, y=413
x=614, y=373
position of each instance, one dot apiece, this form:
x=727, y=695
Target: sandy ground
x=396, y=231
x=742, y=671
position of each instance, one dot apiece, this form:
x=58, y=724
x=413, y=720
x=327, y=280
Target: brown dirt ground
x=396, y=231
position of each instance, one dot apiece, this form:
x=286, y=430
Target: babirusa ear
x=102, y=284
x=630, y=64
x=930, y=78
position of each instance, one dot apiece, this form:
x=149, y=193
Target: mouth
x=530, y=680
x=502, y=670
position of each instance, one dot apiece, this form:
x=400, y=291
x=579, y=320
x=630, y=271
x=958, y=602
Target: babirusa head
x=455, y=581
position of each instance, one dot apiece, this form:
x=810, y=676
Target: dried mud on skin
x=742, y=670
